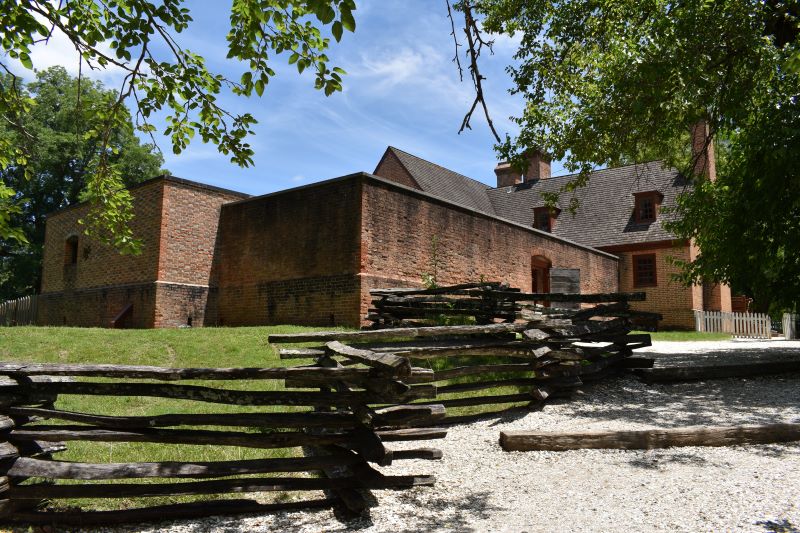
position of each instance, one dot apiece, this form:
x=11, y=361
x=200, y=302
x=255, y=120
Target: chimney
x=507, y=175
x=703, y=161
x=538, y=169
x=538, y=166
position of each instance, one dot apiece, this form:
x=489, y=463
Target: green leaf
x=336, y=30
x=348, y=21
x=25, y=59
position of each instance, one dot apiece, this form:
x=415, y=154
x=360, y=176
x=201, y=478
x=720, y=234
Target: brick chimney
x=538, y=169
x=538, y=166
x=507, y=175
x=703, y=160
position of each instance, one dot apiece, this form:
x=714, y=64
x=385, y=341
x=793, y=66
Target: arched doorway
x=540, y=274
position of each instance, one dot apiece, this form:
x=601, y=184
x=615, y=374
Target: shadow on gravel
x=733, y=355
x=761, y=400
x=657, y=459
x=439, y=513
x=778, y=526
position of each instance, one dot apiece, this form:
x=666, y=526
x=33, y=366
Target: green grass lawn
x=686, y=336
x=201, y=347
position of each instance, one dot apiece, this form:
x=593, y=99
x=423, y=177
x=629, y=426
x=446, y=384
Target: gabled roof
x=445, y=183
x=605, y=214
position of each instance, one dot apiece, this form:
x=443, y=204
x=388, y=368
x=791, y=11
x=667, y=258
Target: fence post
x=790, y=326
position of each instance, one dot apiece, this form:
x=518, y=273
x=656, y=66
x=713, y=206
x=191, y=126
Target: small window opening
x=189, y=321
x=543, y=221
x=544, y=218
x=644, y=270
x=71, y=251
x=646, y=206
x=647, y=209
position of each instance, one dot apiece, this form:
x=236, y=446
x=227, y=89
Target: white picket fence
x=19, y=312
x=750, y=325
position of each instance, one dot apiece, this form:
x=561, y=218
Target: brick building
x=309, y=255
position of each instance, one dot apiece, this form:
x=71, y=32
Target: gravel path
x=481, y=488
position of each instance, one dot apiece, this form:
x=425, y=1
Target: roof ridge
x=487, y=187
x=590, y=173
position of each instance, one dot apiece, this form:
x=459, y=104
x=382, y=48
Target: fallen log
x=649, y=438
x=697, y=373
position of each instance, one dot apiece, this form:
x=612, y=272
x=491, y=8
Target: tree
x=177, y=81
x=747, y=222
x=606, y=81
x=62, y=110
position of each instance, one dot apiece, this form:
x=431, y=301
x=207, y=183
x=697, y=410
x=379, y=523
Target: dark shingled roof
x=605, y=214
x=446, y=184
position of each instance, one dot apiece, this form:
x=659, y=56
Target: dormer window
x=544, y=218
x=646, y=206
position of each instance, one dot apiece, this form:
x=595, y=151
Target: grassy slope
x=201, y=347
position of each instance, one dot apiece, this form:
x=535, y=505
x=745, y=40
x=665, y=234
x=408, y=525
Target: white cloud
x=58, y=50
x=422, y=73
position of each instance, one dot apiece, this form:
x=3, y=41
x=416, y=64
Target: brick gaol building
x=309, y=255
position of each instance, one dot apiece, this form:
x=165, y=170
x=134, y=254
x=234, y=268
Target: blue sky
x=402, y=89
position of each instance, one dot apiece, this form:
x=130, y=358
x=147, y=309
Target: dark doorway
x=540, y=275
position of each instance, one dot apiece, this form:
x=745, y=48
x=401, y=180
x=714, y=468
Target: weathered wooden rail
x=336, y=426
x=530, y=350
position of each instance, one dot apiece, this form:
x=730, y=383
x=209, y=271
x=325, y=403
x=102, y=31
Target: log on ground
x=650, y=438
x=697, y=373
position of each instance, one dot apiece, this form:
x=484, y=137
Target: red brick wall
x=189, y=225
x=97, y=307
x=391, y=169
x=290, y=257
x=177, y=223
x=190, y=220
x=180, y=305
x=670, y=298
x=396, y=249
x=98, y=264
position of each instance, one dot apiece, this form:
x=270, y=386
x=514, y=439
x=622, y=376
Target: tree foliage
x=606, y=81
x=161, y=75
x=62, y=110
x=747, y=222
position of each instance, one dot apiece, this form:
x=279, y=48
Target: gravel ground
x=481, y=488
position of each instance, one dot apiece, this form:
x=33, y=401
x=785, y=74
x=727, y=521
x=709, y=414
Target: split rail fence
x=529, y=352
x=19, y=312
x=341, y=435
x=747, y=325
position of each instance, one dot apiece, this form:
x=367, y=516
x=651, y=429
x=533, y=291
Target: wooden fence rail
x=747, y=325
x=516, y=351
x=19, y=312
x=342, y=437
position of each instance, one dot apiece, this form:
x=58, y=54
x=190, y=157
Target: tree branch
x=475, y=43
